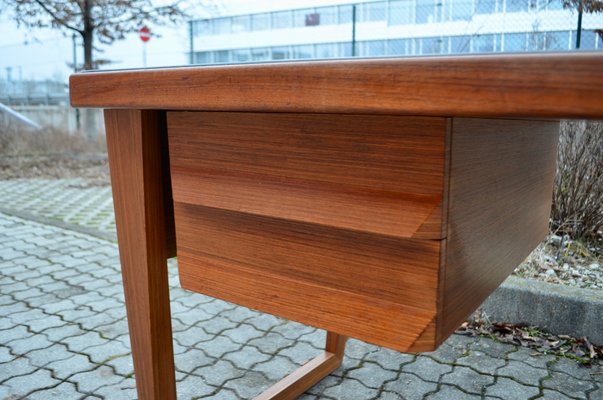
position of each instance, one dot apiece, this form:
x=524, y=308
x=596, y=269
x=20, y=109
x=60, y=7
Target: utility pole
x=78, y=124
x=354, y=30
x=579, y=30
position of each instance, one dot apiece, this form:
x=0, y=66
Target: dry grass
x=47, y=141
x=578, y=196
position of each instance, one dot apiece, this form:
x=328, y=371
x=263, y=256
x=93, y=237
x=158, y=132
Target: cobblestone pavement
x=68, y=200
x=63, y=335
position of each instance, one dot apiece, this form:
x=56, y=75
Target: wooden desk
x=378, y=199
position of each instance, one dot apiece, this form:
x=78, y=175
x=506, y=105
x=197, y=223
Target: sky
x=46, y=53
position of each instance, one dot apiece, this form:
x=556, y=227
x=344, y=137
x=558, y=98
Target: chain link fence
x=394, y=28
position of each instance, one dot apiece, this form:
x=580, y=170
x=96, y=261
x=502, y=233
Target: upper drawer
x=380, y=174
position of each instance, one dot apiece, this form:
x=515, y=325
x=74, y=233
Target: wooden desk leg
x=134, y=147
x=309, y=374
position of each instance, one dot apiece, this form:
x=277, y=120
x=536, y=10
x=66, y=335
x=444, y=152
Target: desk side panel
x=499, y=202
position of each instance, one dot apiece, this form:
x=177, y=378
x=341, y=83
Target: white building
x=392, y=28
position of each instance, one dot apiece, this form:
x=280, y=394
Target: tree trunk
x=90, y=126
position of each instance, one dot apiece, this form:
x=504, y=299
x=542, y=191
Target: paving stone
x=26, y=316
x=350, y=389
x=276, y=368
x=63, y=391
x=193, y=359
x=92, y=380
x=427, y=369
x=481, y=362
x=113, y=329
x=70, y=366
x=82, y=342
x=553, y=395
x=358, y=349
x=572, y=368
x=243, y=333
x=25, y=384
x=299, y=352
x=15, y=367
x=294, y=331
x=468, y=380
x=568, y=385
x=48, y=321
x=193, y=386
x=447, y=392
x=410, y=386
x=104, y=352
x=5, y=355
x=72, y=315
x=45, y=356
x=217, y=307
x=493, y=348
x=123, y=390
x=249, y=385
x=264, y=322
x=270, y=343
x=60, y=333
x=372, y=375
x=29, y=343
x=532, y=358
x=523, y=373
x=596, y=394
x=216, y=374
x=14, y=333
x=246, y=357
x=390, y=359
x=324, y=384
x=218, y=346
x=196, y=316
x=506, y=388
x=124, y=366
x=219, y=325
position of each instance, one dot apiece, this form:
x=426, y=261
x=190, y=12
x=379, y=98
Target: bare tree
x=102, y=20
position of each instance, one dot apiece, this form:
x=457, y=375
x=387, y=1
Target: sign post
x=145, y=36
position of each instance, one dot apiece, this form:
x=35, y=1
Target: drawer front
x=380, y=174
x=319, y=219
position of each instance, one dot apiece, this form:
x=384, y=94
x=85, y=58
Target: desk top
x=568, y=85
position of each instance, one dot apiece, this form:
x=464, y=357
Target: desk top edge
x=554, y=85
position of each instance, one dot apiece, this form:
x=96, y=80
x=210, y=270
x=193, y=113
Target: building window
x=241, y=55
x=222, y=56
x=588, y=40
x=203, y=57
x=460, y=44
x=399, y=47
x=202, y=27
x=485, y=6
x=426, y=11
x=222, y=26
x=345, y=49
x=241, y=24
x=299, y=17
x=434, y=45
x=484, y=44
x=516, y=5
x=401, y=12
x=260, y=22
x=281, y=53
x=461, y=10
x=345, y=14
x=370, y=12
x=260, y=54
x=327, y=50
x=303, y=52
x=282, y=20
x=328, y=15
x=557, y=41
x=554, y=5
x=514, y=42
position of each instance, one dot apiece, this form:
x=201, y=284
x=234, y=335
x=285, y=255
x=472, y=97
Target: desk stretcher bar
x=377, y=199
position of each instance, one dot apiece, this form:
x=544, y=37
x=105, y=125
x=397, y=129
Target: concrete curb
x=559, y=309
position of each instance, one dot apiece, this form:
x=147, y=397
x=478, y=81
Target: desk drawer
x=388, y=229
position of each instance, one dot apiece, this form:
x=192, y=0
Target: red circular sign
x=145, y=34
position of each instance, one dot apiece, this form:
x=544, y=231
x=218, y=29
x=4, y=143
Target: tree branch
x=56, y=18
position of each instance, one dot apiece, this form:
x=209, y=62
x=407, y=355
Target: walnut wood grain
x=134, y=144
x=309, y=374
x=378, y=174
x=516, y=85
x=500, y=190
